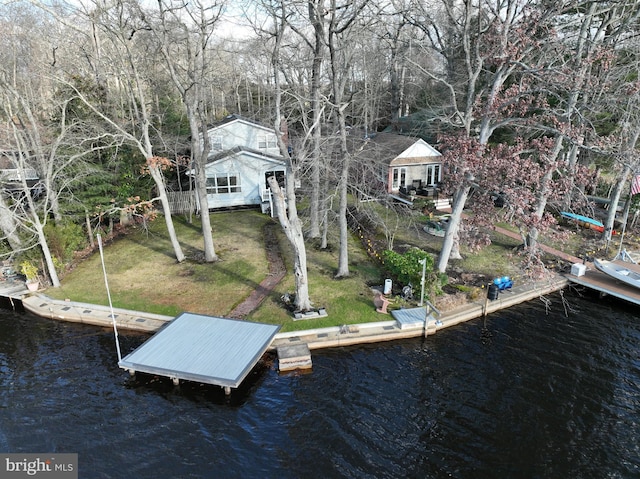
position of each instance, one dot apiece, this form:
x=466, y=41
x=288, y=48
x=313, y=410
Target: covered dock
x=204, y=349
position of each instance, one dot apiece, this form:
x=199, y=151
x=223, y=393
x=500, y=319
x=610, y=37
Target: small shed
x=408, y=165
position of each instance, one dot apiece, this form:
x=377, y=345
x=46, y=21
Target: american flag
x=635, y=185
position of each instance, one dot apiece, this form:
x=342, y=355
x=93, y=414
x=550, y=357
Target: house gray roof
x=386, y=147
x=239, y=149
x=234, y=117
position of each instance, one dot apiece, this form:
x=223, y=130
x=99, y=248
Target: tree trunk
x=53, y=274
x=614, y=200
x=156, y=174
x=630, y=169
x=8, y=226
x=343, y=258
x=532, y=236
x=450, y=236
x=288, y=214
x=200, y=153
x=87, y=221
x=316, y=16
x=293, y=230
x=207, y=232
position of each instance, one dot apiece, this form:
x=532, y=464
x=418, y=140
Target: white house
x=236, y=131
x=238, y=177
x=243, y=155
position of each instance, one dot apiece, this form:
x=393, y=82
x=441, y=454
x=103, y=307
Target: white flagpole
x=106, y=283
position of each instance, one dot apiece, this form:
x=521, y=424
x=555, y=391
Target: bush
x=64, y=239
x=407, y=268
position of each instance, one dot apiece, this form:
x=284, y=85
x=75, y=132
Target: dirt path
x=277, y=270
x=548, y=249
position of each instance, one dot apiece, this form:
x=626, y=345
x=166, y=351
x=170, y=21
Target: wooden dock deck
x=13, y=290
x=605, y=284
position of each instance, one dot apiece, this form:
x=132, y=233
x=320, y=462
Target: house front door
x=432, y=177
x=399, y=178
x=280, y=177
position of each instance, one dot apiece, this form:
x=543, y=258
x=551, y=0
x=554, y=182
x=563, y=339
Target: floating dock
x=292, y=357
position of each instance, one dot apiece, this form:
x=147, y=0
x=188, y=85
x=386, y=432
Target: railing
x=432, y=309
x=181, y=201
x=15, y=174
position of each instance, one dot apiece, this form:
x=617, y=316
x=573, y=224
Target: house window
x=433, y=174
x=266, y=142
x=223, y=183
x=216, y=142
x=399, y=178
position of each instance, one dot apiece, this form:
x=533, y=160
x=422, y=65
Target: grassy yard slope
x=144, y=276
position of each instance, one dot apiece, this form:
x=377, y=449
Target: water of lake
x=537, y=394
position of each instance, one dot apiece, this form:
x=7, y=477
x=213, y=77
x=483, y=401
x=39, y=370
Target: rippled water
x=532, y=395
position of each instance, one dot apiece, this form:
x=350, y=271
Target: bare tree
x=482, y=46
x=39, y=138
x=45, y=146
x=342, y=34
x=117, y=26
x=286, y=208
x=587, y=37
x=184, y=32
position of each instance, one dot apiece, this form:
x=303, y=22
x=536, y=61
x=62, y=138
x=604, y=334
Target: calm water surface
x=536, y=394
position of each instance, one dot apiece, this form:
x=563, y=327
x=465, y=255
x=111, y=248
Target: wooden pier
x=13, y=291
x=606, y=285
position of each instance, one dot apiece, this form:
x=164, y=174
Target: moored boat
x=437, y=226
x=618, y=270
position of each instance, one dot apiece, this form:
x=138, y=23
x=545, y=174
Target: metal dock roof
x=203, y=348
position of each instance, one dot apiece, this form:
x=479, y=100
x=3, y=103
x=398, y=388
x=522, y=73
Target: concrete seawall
x=345, y=335
x=93, y=314
x=390, y=330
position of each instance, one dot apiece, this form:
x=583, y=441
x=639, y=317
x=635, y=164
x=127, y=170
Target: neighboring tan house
x=409, y=166
x=243, y=155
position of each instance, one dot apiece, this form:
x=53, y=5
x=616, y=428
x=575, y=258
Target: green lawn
x=144, y=276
